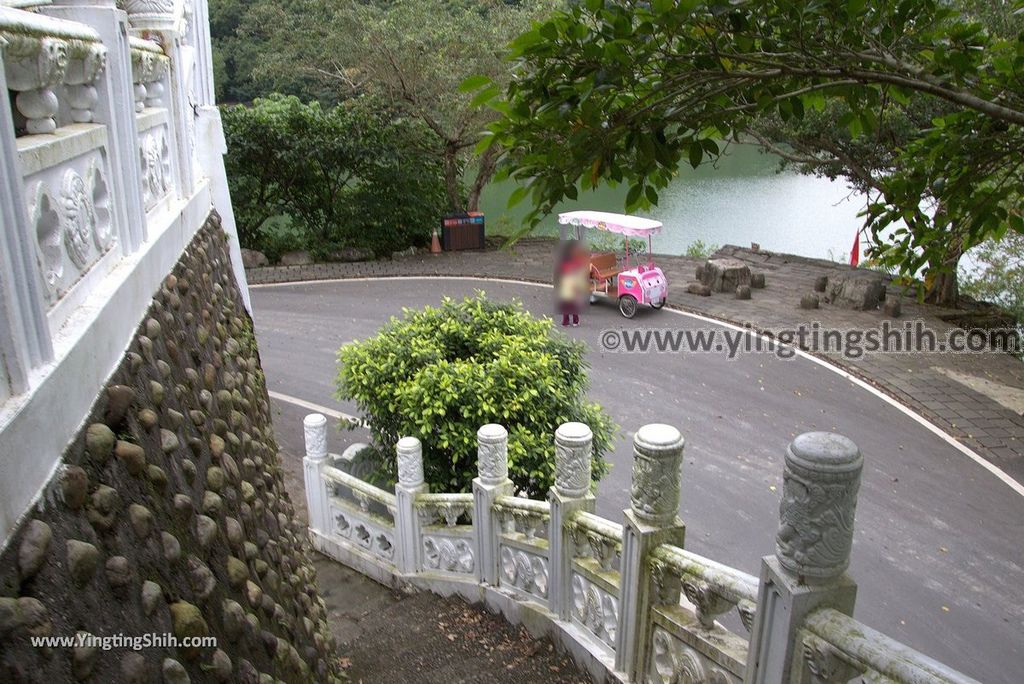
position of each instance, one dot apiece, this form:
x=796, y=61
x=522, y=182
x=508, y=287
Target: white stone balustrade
x=97, y=203
x=628, y=601
x=149, y=67
x=41, y=54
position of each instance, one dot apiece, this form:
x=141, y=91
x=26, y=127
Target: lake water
x=743, y=199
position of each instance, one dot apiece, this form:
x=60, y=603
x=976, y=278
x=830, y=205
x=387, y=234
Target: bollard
x=571, y=493
x=409, y=453
x=314, y=427
x=650, y=521
x=492, y=481
x=812, y=550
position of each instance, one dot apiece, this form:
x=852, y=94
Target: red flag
x=855, y=254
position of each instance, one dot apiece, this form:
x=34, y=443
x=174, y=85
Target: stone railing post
x=571, y=493
x=24, y=329
x=314, y=427
x=109, y=100
x=650, y=520
x=409, y=452
x=492, y=482
x=812, y=551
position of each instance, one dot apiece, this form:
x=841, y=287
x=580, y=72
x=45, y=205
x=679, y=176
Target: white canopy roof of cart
x=623, y=224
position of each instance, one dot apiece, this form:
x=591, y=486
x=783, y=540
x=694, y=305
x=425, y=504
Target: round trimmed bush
x=440, y=373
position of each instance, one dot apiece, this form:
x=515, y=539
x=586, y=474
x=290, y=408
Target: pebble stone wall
x=169, y=514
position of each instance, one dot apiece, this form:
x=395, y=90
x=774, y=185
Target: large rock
x=858, y=292
x=350, y=254
x=253, y=259
x=725, y=275
x=404, y=253
x=300, y=258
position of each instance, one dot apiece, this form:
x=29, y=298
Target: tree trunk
x=943, y=279
x=485, y=171
x=452, y=178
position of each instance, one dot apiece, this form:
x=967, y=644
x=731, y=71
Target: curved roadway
x=939, y=544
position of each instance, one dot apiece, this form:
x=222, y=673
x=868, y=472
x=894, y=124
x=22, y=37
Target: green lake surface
x=742, y=199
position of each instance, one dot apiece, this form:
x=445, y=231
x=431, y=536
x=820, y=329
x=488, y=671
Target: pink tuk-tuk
x=630, y=284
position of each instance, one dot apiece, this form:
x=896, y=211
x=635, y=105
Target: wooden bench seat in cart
x=604, y=266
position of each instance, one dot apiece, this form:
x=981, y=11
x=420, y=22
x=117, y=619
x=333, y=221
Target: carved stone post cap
x=574, y=433
x=314, y=429
x=492, y=433
x=410, y=461
x=314, y=420
x=658, y=440
x=825, y=453
x=819, y=501
x=573, y=459
x=657, y=458
x=408, y=445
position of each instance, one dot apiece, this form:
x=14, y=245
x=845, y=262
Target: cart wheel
x=627, y=305
x=661, y=304
x=593, y=298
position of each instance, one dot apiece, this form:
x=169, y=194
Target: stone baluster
x=492, y=481
x=650, y=520
x=314, y=427
x=35, y=67
x=148, y=68
x=812, y=550
x=409, y=453
x=571, y=493
x=85, y=64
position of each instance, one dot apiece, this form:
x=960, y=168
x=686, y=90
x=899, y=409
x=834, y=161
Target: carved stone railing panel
x=673, y=660
x=595, y=608
x=67, y=190
x=156, y=176
x=523, y=569
x=522, y=545
x=446, y=541
x=372, y=534
x=448, y=550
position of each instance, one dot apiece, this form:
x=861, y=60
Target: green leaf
x=474, y=82
x=696, y=154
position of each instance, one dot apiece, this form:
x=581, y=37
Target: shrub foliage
x=354, y=175
x=440, y=373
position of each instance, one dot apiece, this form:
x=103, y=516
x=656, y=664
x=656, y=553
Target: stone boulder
x=725, y=275
x=404, y=253
x=253, y=259
x=300, y=258
x=859, y=292
x=351, y=254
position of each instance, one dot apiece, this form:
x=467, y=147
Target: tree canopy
x=625, y=92
x=350, y=175
x=412, y=53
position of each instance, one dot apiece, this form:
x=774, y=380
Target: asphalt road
x=939, y=547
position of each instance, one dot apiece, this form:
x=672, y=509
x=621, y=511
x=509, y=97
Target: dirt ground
x=386, y=636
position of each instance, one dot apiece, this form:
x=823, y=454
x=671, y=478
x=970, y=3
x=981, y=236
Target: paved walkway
x=978, y=399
